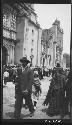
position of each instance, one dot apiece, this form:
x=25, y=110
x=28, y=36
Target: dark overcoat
x=26, y=79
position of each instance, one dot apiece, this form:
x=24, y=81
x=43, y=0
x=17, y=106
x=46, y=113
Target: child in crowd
x=36, y=88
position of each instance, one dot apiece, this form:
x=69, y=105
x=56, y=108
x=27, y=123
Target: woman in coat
x=56, y=94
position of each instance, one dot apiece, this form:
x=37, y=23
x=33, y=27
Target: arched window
x=31, y=50
x=32, y=32
x=32, y=42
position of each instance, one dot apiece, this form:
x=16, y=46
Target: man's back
x=27, y=79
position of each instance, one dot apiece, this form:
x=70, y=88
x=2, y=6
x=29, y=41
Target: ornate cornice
x=7, y=28
x=7, y=42
x=8, y=9
x=9, y=39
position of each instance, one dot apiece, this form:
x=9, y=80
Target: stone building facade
x=21, y=33
x=28, y=35
x=52, y=44
x=46, y=46
x=9, y=34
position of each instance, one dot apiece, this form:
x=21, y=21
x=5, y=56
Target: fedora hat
x=24, y=59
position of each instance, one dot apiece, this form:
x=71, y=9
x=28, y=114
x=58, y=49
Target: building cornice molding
x=8, y=8
x=26, y=12
x=6, y=28
x=31, y=9
x=6, y=41
x=35, y=24
x=9, y=39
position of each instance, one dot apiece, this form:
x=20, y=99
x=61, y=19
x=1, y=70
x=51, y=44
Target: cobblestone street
x=40, y=112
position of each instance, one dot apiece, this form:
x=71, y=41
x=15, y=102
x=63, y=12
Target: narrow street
x=40, y=112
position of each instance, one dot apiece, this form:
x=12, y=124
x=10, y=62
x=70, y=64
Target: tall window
x=32, y=42
x=50, y=60
x=24, y=51
x=60, y=43
x=31, y=50
x=32, y=32
x=27, y=29
x=25, y=36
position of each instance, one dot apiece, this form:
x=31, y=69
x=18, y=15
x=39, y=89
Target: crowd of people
x=9, y=72
x=27, y=82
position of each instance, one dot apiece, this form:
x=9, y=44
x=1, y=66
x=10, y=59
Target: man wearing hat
x=25, y=80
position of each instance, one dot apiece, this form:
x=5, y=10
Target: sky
x=48, y=13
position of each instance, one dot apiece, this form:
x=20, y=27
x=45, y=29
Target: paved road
x=40, y=112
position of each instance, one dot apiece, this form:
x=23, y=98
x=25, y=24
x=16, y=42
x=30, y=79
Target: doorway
x=4, y=55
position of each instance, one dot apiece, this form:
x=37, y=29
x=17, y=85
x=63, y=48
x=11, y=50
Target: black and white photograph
x=36, y=61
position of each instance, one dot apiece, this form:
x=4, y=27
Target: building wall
x=28, y=37
x=20, y=38
x=23, y=34
x=58, y=38
x=54, y=36
x=39, y=47
x=30, y=40
x=9, y=31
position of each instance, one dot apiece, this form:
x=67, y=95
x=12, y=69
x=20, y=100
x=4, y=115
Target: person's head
x=24, y=61
x=58, y=65
x=36, y=73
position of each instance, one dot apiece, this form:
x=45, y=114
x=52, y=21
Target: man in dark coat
x=24, y=88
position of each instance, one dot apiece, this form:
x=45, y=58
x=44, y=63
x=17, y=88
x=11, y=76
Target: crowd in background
x=9, y=72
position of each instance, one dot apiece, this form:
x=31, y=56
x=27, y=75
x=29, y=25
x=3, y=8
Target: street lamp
x=31, y=57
